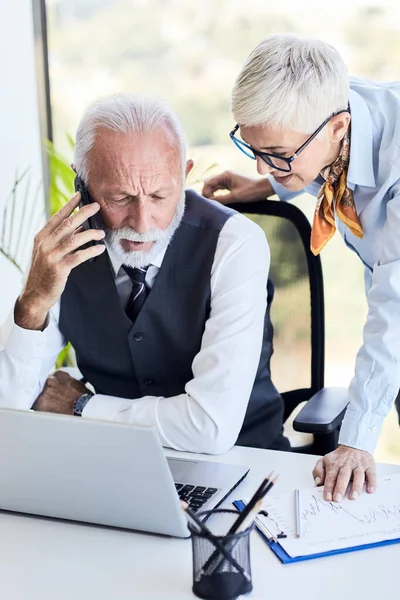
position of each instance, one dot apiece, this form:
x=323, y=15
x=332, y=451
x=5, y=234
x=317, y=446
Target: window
x=190, y=53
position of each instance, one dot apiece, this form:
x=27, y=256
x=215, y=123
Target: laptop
x=104, y=473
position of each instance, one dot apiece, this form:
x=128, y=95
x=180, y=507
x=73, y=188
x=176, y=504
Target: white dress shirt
x=209, y=415
x=374, y=177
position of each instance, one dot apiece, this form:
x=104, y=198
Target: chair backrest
x=297, y=311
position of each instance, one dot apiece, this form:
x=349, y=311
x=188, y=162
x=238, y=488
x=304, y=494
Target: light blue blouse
x=374, y=177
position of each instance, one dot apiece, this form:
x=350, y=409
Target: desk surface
x=50, y=560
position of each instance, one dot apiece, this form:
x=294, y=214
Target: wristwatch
x=80, y=404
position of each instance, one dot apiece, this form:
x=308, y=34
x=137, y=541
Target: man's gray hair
x=125, y=113
x=290, y=83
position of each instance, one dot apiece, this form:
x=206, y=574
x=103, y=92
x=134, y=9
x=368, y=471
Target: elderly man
x=166, y=311
x=309, y=128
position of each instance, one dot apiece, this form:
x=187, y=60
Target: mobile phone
x=93, y=222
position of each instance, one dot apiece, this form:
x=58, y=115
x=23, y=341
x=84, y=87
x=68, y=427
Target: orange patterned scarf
x=334, y=195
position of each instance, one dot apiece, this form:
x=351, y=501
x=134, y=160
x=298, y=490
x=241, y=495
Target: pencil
x=244, y=520
x=242, y=516
x=265, y=486
x=297, y=511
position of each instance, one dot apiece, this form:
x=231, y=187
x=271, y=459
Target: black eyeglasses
x=275, y=160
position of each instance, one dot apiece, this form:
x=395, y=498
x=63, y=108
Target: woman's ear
x=339, y=124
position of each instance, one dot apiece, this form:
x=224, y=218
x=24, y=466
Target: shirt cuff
x=360, y=430
x=23, y=343
x=103, y=407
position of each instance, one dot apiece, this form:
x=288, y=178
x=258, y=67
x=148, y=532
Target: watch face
x=80, y=404
x=77, y=408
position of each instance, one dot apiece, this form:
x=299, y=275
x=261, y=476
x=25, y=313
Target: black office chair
x=297, y=315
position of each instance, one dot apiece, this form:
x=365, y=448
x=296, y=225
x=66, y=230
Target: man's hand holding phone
x=57, y=250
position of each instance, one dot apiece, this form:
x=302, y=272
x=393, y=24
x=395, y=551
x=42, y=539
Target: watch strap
x=80, y=404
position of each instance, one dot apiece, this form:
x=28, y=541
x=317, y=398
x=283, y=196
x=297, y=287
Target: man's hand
x=241, y=189
x=55, y=253
x=337, y=469
x=59, y=394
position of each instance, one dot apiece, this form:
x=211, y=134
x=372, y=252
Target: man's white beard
x=160, y=238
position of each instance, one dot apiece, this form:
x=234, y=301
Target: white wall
x=19, y=123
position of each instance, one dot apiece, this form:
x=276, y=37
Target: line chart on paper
x=329, y=526
x=350, y=515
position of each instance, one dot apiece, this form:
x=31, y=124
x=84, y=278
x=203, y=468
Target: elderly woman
x=311, y=128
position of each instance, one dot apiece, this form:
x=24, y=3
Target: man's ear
x=73, y=168
x=189, y=167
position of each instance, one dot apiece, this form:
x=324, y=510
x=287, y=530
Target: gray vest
x=154, y=355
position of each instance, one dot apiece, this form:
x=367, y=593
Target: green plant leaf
x=61, y=177
x=64, y=359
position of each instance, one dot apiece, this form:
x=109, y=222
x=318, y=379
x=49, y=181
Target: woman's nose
x=263, y=168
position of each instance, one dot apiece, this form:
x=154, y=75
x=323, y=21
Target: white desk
x=49, y=560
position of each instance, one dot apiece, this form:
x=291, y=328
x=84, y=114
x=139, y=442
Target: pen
x=297, y=511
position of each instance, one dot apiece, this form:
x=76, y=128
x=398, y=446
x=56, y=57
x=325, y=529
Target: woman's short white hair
x=124, y=113
x=290, y=83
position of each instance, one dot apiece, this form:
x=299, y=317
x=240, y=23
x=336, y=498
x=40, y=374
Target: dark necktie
x=139, y=291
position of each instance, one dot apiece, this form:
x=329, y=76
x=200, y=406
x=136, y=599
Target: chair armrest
x=323, y=412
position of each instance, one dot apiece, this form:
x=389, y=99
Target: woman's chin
x=292, y=182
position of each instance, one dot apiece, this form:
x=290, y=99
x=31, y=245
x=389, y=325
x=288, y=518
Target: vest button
x=148, y=381
x=137, y=337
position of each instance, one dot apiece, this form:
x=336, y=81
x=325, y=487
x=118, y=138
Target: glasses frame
x=268, y=156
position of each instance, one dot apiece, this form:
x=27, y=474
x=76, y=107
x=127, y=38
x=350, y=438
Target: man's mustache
x=127, y=233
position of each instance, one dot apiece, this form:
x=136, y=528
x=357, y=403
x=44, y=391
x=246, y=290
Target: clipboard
x=390, y=483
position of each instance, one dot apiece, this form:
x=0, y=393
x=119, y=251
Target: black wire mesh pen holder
x=221, y=563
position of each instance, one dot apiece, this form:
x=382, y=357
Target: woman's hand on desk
x=335, y=470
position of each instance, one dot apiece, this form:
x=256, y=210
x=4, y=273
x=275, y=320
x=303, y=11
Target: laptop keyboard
x=195, y=496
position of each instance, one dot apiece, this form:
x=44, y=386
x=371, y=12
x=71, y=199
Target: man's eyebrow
x=112, y=191
x=120, y=192
x=162, y=190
